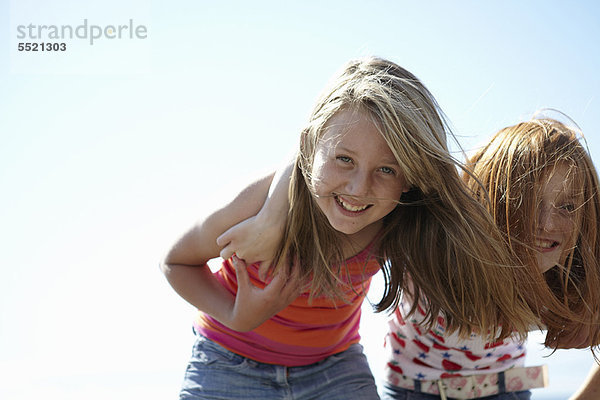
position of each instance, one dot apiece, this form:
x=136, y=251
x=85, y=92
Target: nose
x=548, y=219
x=359, y=184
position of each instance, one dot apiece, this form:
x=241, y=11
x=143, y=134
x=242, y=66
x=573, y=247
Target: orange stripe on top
x=303, y=333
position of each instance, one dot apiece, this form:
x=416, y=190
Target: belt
x=475, y=386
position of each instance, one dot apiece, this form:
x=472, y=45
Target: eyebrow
x=567, y=198
x=384, y=160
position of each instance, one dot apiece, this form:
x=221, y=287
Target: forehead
x=558, y=180
x=355, y=131
x=348, y=121
x=351, y=126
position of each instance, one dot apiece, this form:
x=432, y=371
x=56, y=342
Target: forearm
x=274, y=211
x=590, y=389
x=277, y=203
x=257, y=238
x=247, y=309
x=198, y=286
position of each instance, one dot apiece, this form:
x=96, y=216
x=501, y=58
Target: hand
x=254, y=240
x=253, y=305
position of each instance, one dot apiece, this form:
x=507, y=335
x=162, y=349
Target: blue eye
x=387, y=170
x=567, y=207
x=344, y=159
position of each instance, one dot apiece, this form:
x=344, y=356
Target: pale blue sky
x=109, y=151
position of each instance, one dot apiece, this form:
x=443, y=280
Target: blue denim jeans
x=396, y=393
x=217, y=373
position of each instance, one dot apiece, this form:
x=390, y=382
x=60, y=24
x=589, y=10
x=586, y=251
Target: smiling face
x=355, y=176
x=556, y=218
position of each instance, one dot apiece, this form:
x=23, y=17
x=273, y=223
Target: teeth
x=544, y=244
x=350, y=207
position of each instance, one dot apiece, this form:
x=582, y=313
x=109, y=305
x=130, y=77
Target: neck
x=356, y=242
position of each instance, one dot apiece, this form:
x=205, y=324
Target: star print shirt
x=428, y=355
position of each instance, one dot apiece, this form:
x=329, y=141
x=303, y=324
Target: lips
x=545, y=244
x=354, y=208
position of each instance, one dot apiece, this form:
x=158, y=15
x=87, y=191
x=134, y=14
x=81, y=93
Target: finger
x=263, y=270
x=295, y=277
x=243, y=278
x=230, y=250
x=227, y=251
x=225, y=237
x=288, y=284
x=277, y=283
x=290, y=291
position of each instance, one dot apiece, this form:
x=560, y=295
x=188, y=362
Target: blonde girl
x=373, y=187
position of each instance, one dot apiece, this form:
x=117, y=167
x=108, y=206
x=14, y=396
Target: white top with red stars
x=420, y=355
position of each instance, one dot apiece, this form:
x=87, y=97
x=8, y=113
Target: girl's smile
x=346, y=205
x=545, y=246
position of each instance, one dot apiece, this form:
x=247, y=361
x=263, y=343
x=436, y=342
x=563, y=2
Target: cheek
x=389, y=207
x=567, y=225
x=388, y=199
x=390, y=189
x=321, y=174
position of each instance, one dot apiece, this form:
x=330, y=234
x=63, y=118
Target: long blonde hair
x=512, y=167
x=439, y=238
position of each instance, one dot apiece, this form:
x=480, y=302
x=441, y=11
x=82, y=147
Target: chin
x=546, y=268
x=346, y=230
x=545, y=265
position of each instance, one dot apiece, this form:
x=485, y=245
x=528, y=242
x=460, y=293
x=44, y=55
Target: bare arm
x=590, y=389
x=256, y=239
x=186, y=270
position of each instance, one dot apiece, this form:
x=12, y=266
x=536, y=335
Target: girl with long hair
x=541, y=187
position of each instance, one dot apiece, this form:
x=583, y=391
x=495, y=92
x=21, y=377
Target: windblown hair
x=439, y=243
x=513, y=168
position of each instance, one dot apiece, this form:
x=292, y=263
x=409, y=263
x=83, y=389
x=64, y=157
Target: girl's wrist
x=271, y=218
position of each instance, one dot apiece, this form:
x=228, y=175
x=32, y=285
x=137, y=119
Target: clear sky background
x=110, y=150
